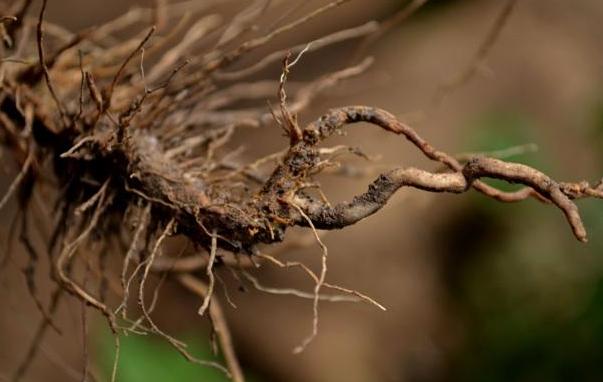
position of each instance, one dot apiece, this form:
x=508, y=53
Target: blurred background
x=475, y=290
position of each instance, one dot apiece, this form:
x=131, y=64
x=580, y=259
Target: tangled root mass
x=133, y=135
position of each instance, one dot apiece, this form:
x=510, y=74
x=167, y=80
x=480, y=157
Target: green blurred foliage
x=500, y=130
x=150, y=359
x=530, y=298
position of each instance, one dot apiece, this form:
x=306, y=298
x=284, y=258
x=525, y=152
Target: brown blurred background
x=475, y=290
